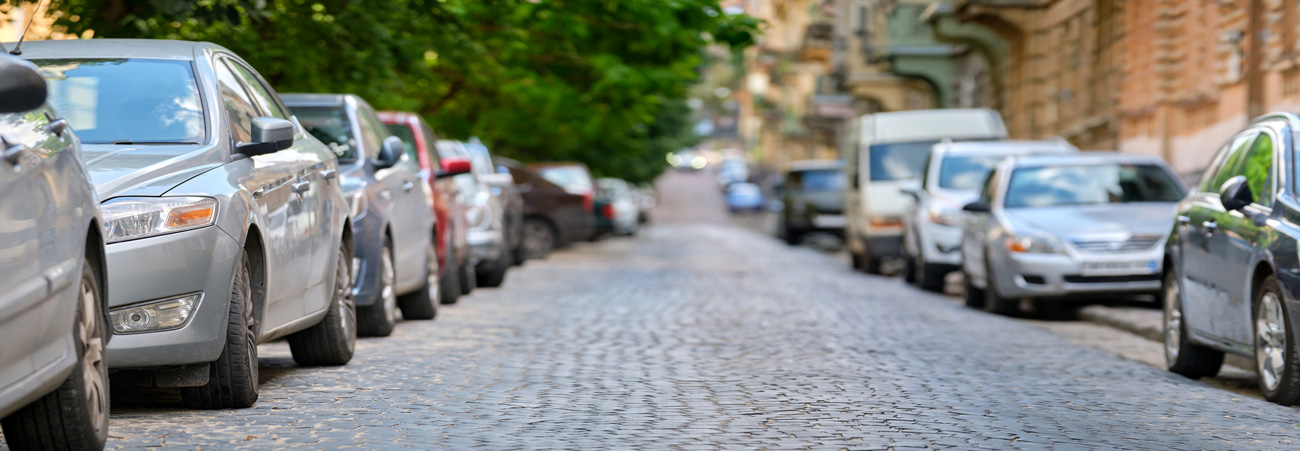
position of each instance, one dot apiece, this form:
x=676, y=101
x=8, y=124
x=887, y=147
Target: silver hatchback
x=225, y=222
x=1049, y=226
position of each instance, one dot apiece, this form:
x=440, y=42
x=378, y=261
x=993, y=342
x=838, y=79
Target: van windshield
x=898, y=161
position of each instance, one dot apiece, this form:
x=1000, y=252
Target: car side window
x=986, y=192
x=1230, y=165
x=239, y=107
x=372, y=134
x=1257, y=166
x=261, y=93
x=430, y=137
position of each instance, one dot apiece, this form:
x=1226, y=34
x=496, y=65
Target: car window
x=898, y=161
x=573, y=179
x=430, y=137
x=266, y=100
x=1257, y=166
x=1226, y=165
x=816, y=180
x=127, y=100
x=373, y=131
x=239, y=107
x=331, y=126
x=966, y=172
x=1090, y=184
x=407, y=135
x=986, y=192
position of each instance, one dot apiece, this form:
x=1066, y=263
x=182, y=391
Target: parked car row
x=167, y=211
x=1040, y=222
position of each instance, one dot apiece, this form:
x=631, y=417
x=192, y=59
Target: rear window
x=408, y=137
x=898, y=161
x=127, y=100
x=573, y=179
x=331, y=126
x=815, y=180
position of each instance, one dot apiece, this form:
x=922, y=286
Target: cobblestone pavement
x=703, y=335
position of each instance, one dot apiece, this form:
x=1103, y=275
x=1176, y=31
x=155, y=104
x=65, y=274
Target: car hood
x=1111, y=221
x=955, y=198
x=144, y=170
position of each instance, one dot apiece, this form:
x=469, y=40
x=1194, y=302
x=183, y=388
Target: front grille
x=1112, y=279
x=1037, y=280
x=1136, y=243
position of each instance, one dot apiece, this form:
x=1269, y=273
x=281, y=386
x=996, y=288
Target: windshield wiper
x=127, y=142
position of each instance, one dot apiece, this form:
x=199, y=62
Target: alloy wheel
x=93, y=370
x=389, y=294
x=537, y=239
x=431, y=276
x=1173, y=324
x=345, y=304
x=1270, y=340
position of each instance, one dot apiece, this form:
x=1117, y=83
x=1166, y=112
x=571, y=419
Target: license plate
x=828, y=221
x=1119, y=268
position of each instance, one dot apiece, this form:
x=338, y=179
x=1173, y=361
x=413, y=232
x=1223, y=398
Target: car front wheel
x=379, y=319
x=1181, y=355
x=993, y=301
x=334, y=339
x=423, y=303
x=232, y=379
x=1275, y=351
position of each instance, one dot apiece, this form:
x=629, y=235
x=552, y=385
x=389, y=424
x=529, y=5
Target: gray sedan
x=1049, y=226
x=225, y=222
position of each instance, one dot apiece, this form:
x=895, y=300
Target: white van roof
x=930, y=125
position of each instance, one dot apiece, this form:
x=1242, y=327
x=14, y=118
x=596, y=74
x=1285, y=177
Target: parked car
x=467, y=186
x=732, y=170
x=511, y=205
x=225, y=223
x=1045, y=227
x=391, y=207
x=744, y=197
x=646, y=199
x=951, y=179
x=616, y=209
x=812, y=200
x=486, y=198
x=553, y=216
x=449, y=211
x=54, y=329
x=1229, y=283
x=576, y=179
x=881, y=152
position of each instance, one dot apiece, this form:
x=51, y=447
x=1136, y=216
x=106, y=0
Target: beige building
x=14, y=17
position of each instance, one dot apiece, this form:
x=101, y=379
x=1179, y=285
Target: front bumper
x=940, y=244
x=1048, y=275
x=486, y=245
x=147, y=269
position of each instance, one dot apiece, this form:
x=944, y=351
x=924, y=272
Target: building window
x=1291, y=81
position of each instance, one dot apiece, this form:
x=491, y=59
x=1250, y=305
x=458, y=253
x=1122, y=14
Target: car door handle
x=407, y=185
x=14, y=154
x=329, y=174
x=302, y=187
x=57, y=127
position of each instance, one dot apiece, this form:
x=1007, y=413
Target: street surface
x=701, y=334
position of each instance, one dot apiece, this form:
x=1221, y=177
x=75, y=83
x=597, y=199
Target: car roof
x=114, y=48
x=1003, y=147
x=556, y=164
x=809, y=165
x=309, y=99
x=1084, y=158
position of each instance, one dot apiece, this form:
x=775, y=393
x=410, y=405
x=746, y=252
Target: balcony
x=818, y=40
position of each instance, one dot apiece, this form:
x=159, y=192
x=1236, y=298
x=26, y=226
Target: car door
x=272, y=184
x=1203, y=279
x=406, y=206
x=975, y=231
x=1240, y=238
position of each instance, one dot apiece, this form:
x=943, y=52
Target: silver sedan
x=1049, y=226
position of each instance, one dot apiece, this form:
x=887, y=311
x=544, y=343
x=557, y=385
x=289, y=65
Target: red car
x=453, y=250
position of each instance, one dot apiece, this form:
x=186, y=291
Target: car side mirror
x=269, y=135
x=910, y=188
x=1235, y=193
x=452, y=167
x=390, y=152
x=977, y=207
x=21, y=86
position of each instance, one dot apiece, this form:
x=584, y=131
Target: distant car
x=732, y=170
x=744, y=197
x=553, y=216
x=225, y=222
x=576, y=179
x=616, y=209
x=688, y=160
x=1044, y=227
x=449, y=211
x=812, y=200
x=488, y=195
x=646, y=199
x=391, y=207
x=54, y=329
x=951, y=178
x=1230, y=268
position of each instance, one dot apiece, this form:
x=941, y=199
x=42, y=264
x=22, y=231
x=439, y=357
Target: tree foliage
x=598, y=81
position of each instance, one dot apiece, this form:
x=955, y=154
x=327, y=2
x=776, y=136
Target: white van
x=882, y=151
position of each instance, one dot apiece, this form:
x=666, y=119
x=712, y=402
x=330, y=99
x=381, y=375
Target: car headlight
x=945, y=216
x=129, y=218
x=358, y=203
x=1038, y=244
x=157, y=316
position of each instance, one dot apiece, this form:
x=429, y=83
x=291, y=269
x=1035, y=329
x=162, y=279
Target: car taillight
x=607, y=211
x=588, y=201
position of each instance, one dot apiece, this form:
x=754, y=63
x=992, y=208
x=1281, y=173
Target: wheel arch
x=95, y=253
x=255, y=248
x=550, y=222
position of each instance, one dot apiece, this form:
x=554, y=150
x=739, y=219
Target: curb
x=1118, y=319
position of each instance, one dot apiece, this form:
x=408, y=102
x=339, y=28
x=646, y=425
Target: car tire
x=973, y=295
x=993, y=301
x=866, y=263
x=468, y=278
x=422, y=304
x=790, y=236
x=539, y=238
x=334, y=340
x=450, y=284
x=380, y=318
x=1276, y=358
x=1181, y=355
x=75, y=415
x=492, y=273
x=929, y=277
x=232, y=378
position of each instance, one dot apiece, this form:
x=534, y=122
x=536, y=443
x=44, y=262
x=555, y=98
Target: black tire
x=422, y=304
x=788, y=235
x=929, y=277
x=450, y=284
x=539, y=238
x=909, y=267
x=380, y=318
x=75, y=415
x=468, y=279
x=993, y=301
x=973, y=295
x=866, y=263
x=492, y=273
x=1286, y=389
x=1181, y=355
x=334, y=339
x=232, y=378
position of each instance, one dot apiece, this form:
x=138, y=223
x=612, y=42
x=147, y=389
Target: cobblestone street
x=700, y=334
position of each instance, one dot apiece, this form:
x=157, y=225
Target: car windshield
x=573, y=179
x=408, y=138
x=815, y=180
x=966, y=172
x=899, y=161
x=127, y=101
x=1055, y=186
x=331, y=126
